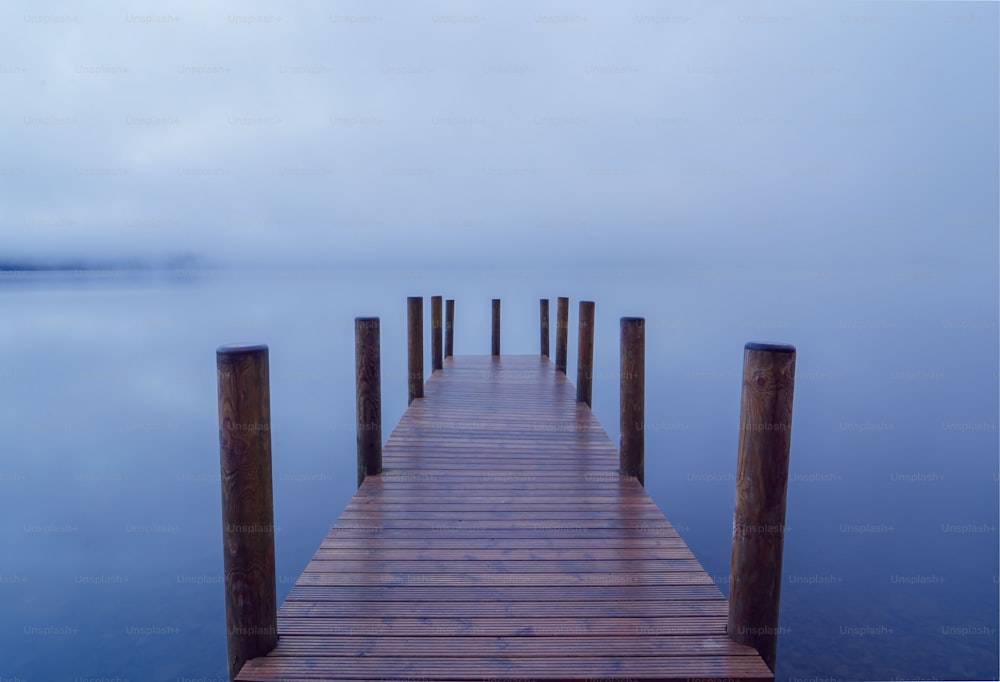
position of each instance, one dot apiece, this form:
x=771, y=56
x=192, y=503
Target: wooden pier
x=500, y=541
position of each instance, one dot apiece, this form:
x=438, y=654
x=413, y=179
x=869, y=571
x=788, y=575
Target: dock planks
x=500, y=542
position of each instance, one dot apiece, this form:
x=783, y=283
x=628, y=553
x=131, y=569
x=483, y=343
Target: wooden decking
x=501, y=543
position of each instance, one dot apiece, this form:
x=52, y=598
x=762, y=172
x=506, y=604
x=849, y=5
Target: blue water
x=110, y=516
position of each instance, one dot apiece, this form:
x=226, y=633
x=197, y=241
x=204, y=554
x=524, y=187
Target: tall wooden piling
x=247, y=503
x=496, y=326
x=544, y=325
x=761, y=486
x=585, y=355
x=368, y=375
x=632, y=400
x=415, y=346
x=449, y=327
x=562, y=332
x=437, y=330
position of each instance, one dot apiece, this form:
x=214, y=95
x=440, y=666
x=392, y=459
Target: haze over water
x=111, y=502
x=820, y=176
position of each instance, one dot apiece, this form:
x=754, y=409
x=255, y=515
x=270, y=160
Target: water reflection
x=109, y=488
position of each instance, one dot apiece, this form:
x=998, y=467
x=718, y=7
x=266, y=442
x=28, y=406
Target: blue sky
x=857, y=134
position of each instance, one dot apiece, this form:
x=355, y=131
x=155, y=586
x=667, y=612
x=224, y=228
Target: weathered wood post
x=544, y=324
x=585, y=355
x=437, y=329
x=496, y=326
x=761, y=486
x=632, y=401
x=368, y=374
x=415, y=345
x=562, y=332
x=247, y=503
x=449, y=327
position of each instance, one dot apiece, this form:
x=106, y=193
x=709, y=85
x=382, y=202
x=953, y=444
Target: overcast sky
x=462, y=132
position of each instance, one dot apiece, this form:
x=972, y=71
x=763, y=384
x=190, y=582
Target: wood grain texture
x=761, y=486
x=368, y=379
x=500, y=541
x=247, y=503
x=496, y=327
x=449, y=327
x=553, y=669
x=437, y=335
x=415, y=346
x=562, y=333
x=585, y=355
x=544, y=325
x=632, y=398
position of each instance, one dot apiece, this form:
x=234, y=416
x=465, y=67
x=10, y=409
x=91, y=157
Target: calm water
x=109, y=490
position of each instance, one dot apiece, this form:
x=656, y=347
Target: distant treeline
x=179, y=262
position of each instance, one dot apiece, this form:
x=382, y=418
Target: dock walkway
x=500, y=542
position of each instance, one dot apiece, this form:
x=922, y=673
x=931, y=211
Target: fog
x=462, y=134
x=825, y=176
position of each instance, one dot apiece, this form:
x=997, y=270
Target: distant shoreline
x=80, y=265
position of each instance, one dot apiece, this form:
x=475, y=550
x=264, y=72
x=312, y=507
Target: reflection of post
x=247, y=503
x=368, y=373
x=449, y=327
x=562, y=332
x=544, y=324
x=761, y=486
x=632, y=447
x=436, y=329
x=496, y=326
x=585, y=355
x=415, y=345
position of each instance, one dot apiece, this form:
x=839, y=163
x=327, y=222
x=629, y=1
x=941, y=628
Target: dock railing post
x=368, y=375
x=632, y=401
x=449, y=327
x=562, y=332
x=415, y=346
x=247, y=503
x=437, y=360
x=761, y=487
x=585, y=355
x=544, y=325
x=496, y=326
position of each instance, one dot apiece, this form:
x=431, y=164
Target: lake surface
x=110, y=513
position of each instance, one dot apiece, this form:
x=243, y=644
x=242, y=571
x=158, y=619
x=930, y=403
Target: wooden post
x=562, y=332
x=544, y=305
x=632, y=401
x=415, y=345
x=761, y=484
x=449, y=327
x=437, y=361
x=496, y=326
x=585, y=354
x=247, y=503
x=368, y=374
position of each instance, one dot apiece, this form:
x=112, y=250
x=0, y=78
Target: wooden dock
x=500, y=542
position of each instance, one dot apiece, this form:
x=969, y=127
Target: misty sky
x=850, y=134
